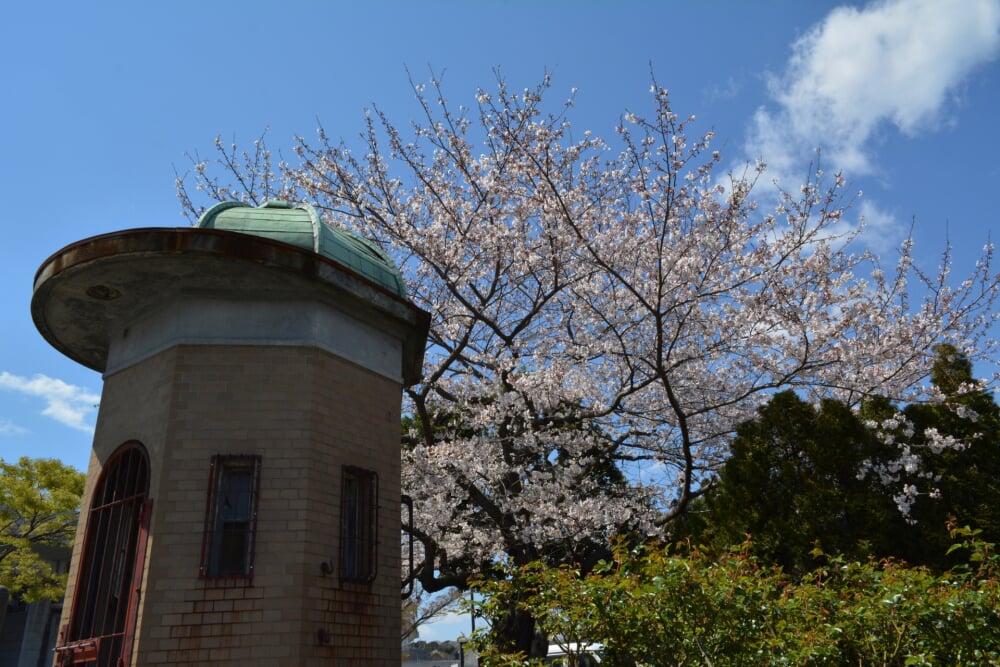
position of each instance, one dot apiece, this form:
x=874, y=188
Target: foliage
x=599, y=304
x=661, y=607
x=953, y=482
x=39, y=508
x=801, y=475
x=792, y=481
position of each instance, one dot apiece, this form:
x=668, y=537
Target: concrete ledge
x=95, y=291
x=199, y=319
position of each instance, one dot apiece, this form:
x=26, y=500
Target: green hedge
x=683, y=606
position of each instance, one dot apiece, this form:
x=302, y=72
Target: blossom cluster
x=606, y=311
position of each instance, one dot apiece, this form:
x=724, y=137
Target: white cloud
x=447, y=627
x=893, y=63
x=728, y=90
x=883, y=229
x=66, y=403
x=7, y=427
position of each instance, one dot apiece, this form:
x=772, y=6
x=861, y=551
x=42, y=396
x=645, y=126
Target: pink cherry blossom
x=605, y=311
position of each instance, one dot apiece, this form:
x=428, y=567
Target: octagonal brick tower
x=242, y=499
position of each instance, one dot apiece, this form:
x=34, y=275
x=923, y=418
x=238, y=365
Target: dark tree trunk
x=517, y=634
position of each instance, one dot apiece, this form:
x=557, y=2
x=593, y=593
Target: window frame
x=211, y=565
x=102, y=622
x=358, y=534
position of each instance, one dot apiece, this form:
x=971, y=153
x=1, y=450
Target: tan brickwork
x=305, y=413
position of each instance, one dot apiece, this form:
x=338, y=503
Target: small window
x=231, y=517
x=359, y=507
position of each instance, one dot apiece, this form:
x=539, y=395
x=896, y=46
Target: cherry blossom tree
x=605, y=311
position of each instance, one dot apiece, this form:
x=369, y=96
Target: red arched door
x=102, y=624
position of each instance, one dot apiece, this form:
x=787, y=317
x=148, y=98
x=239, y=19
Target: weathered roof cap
x=300, y=225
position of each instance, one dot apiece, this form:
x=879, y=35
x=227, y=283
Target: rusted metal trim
x=223, y=244
x=168, y=240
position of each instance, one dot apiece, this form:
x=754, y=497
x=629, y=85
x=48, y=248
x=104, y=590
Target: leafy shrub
x=660, y=606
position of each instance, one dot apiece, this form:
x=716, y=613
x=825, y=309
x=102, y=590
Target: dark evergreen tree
x=965, y=487
x=802, y=476
x=792, y=484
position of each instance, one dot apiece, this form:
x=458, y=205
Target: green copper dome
x=300, y=225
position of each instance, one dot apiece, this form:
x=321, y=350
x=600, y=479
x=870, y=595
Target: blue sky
x=103, y=100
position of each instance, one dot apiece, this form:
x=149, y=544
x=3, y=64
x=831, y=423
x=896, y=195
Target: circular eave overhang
x=85, y=291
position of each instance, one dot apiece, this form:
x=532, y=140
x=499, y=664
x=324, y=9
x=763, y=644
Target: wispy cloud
x=66, y=403
x=892, y=64
x=721, y=92
x=8, y=427
x=447, y=627
x=882, y=227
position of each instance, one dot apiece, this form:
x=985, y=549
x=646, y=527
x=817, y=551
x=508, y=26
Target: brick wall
x=305, y=413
